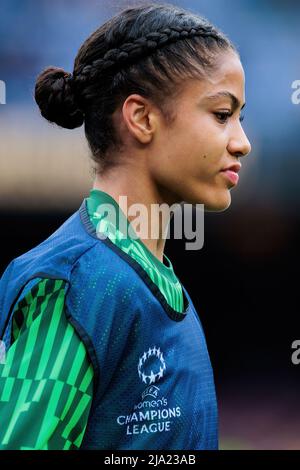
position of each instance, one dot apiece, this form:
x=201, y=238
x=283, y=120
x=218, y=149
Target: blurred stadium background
x=245, y=281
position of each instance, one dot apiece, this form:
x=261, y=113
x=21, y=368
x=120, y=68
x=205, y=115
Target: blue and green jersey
x=46, y=383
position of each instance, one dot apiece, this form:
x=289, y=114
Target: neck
x=138, y=189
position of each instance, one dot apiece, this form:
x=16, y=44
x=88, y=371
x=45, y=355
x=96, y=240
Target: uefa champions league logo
x=151, y=391
x=152, y=359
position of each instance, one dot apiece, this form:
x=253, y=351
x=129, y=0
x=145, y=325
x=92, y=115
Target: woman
x=104, y=347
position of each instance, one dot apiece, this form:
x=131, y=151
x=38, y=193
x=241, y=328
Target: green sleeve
x=46, y=382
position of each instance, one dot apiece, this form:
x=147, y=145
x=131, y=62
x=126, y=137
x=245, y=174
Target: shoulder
x=106, y=294
x=40, y=323
x=42, y=299
x=104, y=271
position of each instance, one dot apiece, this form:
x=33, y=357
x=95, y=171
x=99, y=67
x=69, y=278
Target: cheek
x=206, y=137
x=194, y=147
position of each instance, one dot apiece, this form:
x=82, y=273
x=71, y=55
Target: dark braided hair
x=149, y=50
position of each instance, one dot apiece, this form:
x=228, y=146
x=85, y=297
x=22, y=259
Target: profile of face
x=186, y=160
x=206, y=138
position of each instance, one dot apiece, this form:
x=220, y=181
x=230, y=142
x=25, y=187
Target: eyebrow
x=235, y=102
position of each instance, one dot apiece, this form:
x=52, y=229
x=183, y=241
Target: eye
x=223, y=116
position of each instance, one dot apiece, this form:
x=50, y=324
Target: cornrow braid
x=141, y=47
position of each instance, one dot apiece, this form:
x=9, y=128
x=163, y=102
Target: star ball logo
x=152, y=361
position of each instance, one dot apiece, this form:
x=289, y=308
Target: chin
x=218, y=205
x=214, y=200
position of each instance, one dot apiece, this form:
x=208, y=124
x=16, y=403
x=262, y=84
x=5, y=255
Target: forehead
x=228, y=75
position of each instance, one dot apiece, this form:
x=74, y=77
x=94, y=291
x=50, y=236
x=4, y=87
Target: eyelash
x=227, y=116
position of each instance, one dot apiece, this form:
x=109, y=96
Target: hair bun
x=54, y=94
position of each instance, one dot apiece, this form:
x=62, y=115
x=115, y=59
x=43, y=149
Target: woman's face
x=206, y=137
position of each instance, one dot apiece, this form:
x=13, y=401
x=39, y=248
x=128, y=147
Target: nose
x=239, y=145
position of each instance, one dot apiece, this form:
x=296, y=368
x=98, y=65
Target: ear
x=140, y=118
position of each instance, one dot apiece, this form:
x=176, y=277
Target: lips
x=231, y=172
x=235, y=167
